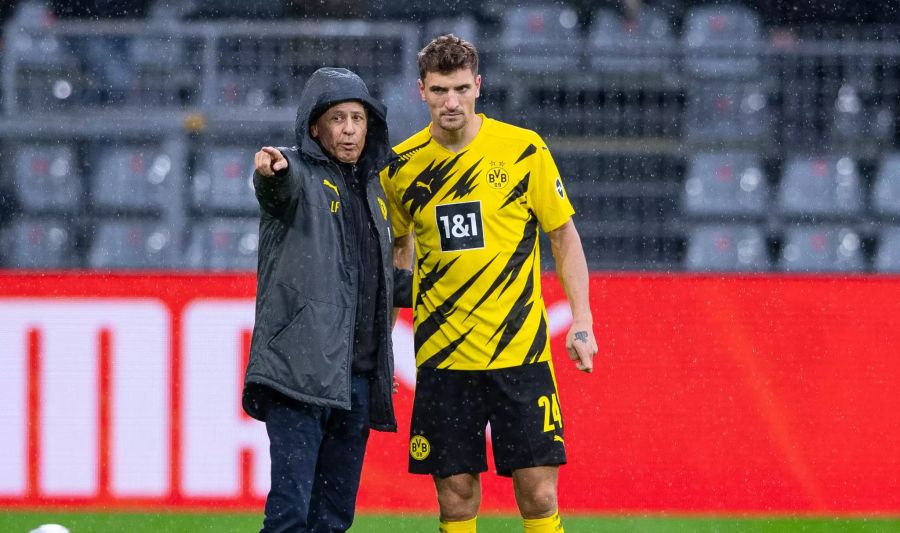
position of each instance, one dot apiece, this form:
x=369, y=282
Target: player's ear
x=314, y=131
x=477, y=86
x=421, y=86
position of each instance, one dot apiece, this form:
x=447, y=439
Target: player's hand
x=581, y=345
x=396, y=386
x=269, y=160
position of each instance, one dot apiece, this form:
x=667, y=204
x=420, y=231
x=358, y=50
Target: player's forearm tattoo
x=581, y=336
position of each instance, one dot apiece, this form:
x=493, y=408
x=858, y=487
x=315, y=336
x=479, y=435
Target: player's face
x=341, y=130
x=451, y=97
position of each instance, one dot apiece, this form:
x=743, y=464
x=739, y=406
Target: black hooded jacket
x=308, y=277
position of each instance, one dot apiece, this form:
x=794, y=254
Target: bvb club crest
x=497, y=177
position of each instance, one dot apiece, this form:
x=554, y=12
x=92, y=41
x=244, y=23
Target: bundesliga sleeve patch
x=559, y=188
x=460, y=226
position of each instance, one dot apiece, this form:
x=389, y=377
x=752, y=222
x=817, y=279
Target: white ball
x=50, y=528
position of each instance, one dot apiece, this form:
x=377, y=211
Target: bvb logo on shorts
x=419, y=447
x=497, y=177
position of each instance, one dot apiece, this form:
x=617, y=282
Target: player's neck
x=455, y=141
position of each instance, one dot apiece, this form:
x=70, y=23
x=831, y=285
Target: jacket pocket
x=314, y=348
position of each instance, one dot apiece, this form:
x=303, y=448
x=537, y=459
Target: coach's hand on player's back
x=582, y=345
x=269, y=160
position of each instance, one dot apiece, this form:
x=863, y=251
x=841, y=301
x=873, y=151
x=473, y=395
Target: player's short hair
x=446, y=54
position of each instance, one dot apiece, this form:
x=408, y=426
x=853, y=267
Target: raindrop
x=750, y=179
x=845, y=166
x=754, y=102
x=248, y=243
x=850, y=243
x=160, y=169
x=56, y=237
x=62, y=89
x=568, y=18
x=157, y=241
x=694, y=186
x=848, y=101
x=59, y=168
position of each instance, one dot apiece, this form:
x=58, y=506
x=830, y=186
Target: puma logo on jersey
x=332, y=186
x=557, y=438
x=426, y=186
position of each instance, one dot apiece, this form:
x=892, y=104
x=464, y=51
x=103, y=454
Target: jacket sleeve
x=276, y=193
x=402, y=287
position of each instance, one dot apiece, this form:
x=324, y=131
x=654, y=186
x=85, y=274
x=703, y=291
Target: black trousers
x=317, y=454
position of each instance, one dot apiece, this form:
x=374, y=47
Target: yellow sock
x=466, y=526
x=549, y=524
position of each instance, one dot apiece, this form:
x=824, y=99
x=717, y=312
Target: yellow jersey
x=477, y=289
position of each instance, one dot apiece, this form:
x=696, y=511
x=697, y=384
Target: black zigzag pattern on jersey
x=531, y=150
x=518, y=191
x=465, y=184
x=514, y=266
x=540, y=342
x=429, y=279
x=421, y=261
x=445, y=352
x=515, y=318
x=435, y=320
x=427, y=184
x=403, y=157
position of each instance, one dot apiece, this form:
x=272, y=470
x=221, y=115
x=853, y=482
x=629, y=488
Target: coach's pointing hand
x=581, y=345
x=269, y=161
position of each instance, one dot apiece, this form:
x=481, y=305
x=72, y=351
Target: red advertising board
x=763, y=394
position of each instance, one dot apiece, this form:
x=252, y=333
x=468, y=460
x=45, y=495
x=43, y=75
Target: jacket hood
x=329, y=86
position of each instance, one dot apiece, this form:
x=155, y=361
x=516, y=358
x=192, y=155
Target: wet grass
x=176, y=522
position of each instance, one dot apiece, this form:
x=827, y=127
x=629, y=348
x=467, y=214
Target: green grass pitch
x=173, y=522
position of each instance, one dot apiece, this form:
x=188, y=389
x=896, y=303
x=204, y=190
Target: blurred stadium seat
x=825, y=248
x=857, y=122
x=722, y=40
x=132, y=244
x=243, y=89
x=723, y=113
x=47, y=178
x=34, y=242
x=223, y=180
x=163, y=77
x=726, y=248
x=728, y=184
x=643, y=46
x=224, y=244
x=406, y=114
x=886, y=191
x=537, y=38
x=887, y=256
x=823, y=186
x=464, y=26
x=47, y=74
x=136, y=178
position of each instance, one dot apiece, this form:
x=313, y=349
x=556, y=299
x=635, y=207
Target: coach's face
x=451, y=97
x=341, y=130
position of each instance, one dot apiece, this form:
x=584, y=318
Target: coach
x=320, y=373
